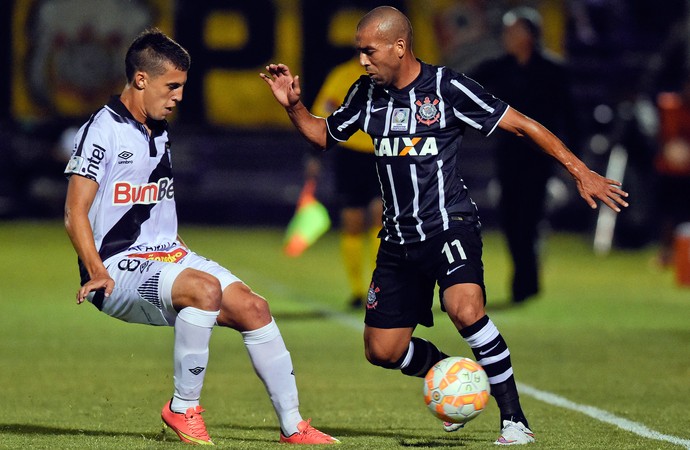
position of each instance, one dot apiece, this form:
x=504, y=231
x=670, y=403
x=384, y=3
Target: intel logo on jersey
x=130, y=194
x=405, y=146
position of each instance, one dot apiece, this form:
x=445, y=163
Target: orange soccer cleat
x=190, y=426
x=307, y=434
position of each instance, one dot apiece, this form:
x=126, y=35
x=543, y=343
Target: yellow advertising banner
x=68, y=55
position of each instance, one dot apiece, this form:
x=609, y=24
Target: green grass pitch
x=609, y=333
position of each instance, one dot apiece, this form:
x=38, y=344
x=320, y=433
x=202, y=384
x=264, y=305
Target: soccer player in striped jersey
x=416, y=114
x=120, y=216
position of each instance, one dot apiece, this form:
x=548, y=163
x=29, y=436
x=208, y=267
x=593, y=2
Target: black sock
x=495, y=350
x=508, y=401
x=424, y=356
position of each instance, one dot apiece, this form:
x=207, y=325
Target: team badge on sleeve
x=74, y=164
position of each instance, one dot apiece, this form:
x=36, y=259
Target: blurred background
x=236, y=157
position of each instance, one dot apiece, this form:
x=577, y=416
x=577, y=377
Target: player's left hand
x=97, y=282
x=593, y=186
x=284, y=86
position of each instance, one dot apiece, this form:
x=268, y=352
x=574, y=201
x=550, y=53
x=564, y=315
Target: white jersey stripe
x=413, y=112
x=389, y=112
x=442, y=103
x=472, y=96
x=442, y=194
x=349, y=122
x=328, y=127
x=345, y=104
x=415, y=202
x=368, y=115
x=347, y=101
x=498, y=121
x=466, y=119
x=395, y=204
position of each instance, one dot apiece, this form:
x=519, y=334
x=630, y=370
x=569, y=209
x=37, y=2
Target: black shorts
x=402, y=290
x=356, y=180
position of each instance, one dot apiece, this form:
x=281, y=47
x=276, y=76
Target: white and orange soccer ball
x=456, y=389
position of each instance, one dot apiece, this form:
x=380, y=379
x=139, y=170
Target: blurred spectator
x=673, y=165
x=536, y=83
x=468, y=32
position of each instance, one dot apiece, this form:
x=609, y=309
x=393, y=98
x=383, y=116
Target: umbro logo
x=124, y=157
x=197, y=370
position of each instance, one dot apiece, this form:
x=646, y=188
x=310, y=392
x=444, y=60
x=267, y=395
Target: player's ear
x=400, y=46
x=139, y=81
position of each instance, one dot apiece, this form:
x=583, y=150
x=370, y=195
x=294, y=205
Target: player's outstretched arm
x=80, y=195
x=590, y=184
x=287, y=92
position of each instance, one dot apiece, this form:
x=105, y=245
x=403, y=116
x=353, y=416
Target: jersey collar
x=119, y=108
x=423, y=68
x=156, y=126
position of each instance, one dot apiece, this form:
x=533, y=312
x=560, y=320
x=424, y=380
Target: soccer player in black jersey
x=416, y=114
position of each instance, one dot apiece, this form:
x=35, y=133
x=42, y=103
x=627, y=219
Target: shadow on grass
x=29, y=430
x=404, y=438
x=246, y=434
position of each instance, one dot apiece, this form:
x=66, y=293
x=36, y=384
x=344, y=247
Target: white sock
x=192, y=334
x=273, y=364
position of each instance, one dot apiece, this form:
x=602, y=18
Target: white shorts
x=143, y=284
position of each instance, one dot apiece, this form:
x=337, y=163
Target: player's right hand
x=285, y=87
x=97, y=282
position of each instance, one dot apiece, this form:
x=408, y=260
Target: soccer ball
x=456, y=389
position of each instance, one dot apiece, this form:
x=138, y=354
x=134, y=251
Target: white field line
x=547, y=397
x=602, y=416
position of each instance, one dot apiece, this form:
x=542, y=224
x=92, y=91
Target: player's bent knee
x=466, y=315
x=464, y=304
x=243, y=309
x=209, y=294
x=386, y=358
x=256, y=306
x=197, y=289
x=389, y=362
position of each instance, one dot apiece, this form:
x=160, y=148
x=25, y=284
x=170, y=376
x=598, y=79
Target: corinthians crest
x=428, y=112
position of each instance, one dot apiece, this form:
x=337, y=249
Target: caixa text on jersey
x=405, y=146
x=125, y=193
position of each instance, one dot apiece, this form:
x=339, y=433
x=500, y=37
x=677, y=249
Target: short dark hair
x=151, y=50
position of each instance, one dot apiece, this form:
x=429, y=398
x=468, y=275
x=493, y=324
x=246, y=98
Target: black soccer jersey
x=416, y=133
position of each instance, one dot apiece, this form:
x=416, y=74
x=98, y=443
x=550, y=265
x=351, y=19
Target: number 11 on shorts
x=448, y=251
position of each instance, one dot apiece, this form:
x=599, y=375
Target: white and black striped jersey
x=416, y=133
x=134, y=208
